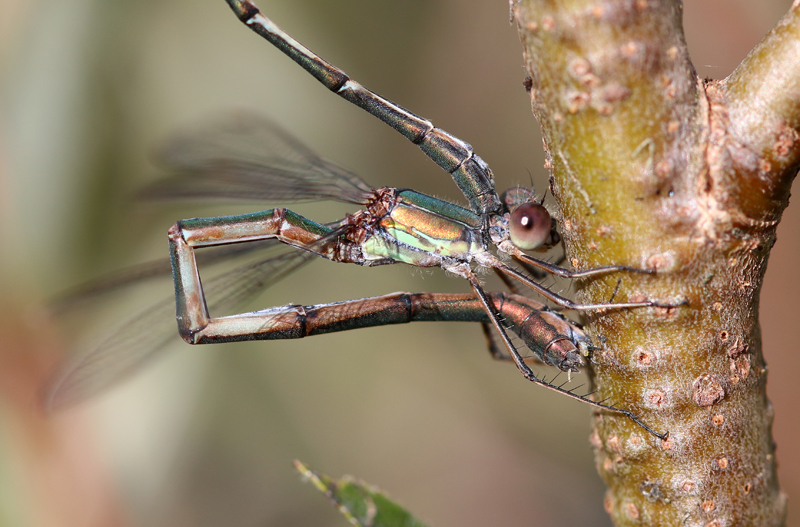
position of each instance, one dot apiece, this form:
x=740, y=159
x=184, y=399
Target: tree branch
x=763, y=96
x=657, y=169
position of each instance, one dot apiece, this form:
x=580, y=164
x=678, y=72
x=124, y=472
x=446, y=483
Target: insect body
x=253, y=159
x=394, y=225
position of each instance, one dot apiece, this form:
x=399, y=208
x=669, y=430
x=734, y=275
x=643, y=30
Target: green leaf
x=361, y=503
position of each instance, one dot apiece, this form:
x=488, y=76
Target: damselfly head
x=530, y=226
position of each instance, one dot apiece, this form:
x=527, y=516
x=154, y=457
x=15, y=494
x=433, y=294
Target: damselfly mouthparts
x=394, y=225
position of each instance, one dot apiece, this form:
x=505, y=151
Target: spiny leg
x=491, y=343
x=528, y=373
x=535, y=271
x=566, y=273
x=566, y=303
x=497, y=353
x=456, y=157
x=549, y=325
x=507, y=281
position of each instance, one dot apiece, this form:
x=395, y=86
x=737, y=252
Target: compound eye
x=529, y=227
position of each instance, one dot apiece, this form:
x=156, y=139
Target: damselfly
x=394, y=225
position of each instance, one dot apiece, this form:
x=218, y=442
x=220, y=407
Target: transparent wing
x=125, y=349
x=160, y=268
x=240, y=157
x=245, y=157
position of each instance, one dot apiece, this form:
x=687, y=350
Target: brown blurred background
x=205, y=436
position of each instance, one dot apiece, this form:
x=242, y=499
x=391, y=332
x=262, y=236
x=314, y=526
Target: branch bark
x=655, y=168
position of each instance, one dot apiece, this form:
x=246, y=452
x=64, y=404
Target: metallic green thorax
x=421, y=230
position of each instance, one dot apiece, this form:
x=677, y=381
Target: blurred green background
x=206, y=435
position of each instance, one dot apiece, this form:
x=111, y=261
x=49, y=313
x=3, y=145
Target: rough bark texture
x=657, y=169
